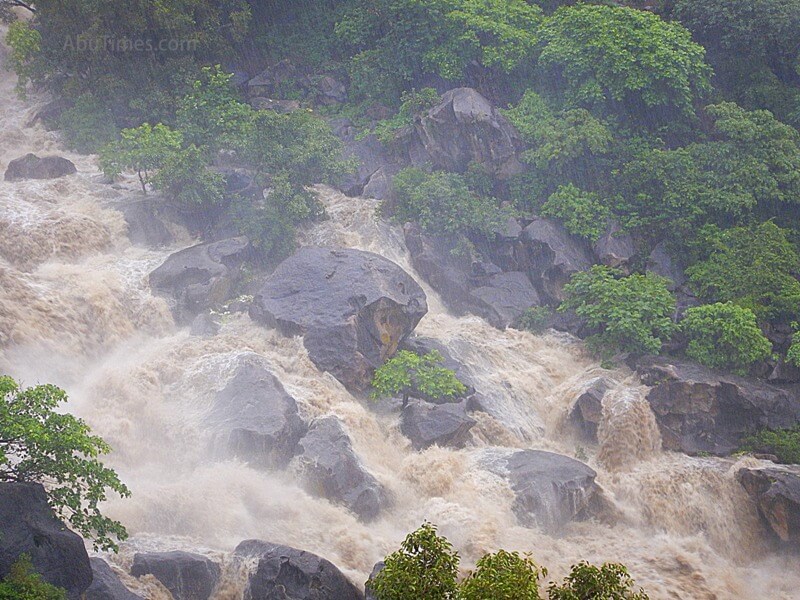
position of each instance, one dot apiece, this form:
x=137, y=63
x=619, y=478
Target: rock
x=511, y=230
x=331, y=91
x=445, y=425
x=186, y=576
x=31, y=166
x=699, y=410
x=776, y=492
x=106, y=585
x=375, y=570
x=784, y=372
x=49, y=115
x=506, y=296
x=552, y=257
x=29, y=526
x=615, y=248
x=330, y=469
x=283, y=107
x=284, y=573
x=660, y=262
x=551, y=489
x=587, y=411
x=254, y=417
x=277, y=80
x=200, y=277
x=379, y=186
x=370, y=156
x=204, y=325
x=464, y=128
x=353, y=308
x=145, y=226
x=423, y=345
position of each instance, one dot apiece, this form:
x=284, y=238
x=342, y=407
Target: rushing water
x=75, y=310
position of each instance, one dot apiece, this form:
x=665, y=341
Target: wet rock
x=375, y=570
x=145, y=226
x=699, y=410
x=277, y=79
x=445, y=425
x=506, y=296
x=200, y=277
x=615, y=248
x=379, y=186
x=370, y=156
x=282, y=107
x=106, y=585
x=330, y=469
x=331, y=91
x=423, y=345
x=776, y=492
x=660, y=262
x=464, y=128
x=31, y=166
x=255, y=419
x=353, y=308
x=49, y=115
x=587, y=411
x=285, y=573
x=204, y=326
x=551, y=489
x=29, y=526
x=186, y=576
x=552, y=256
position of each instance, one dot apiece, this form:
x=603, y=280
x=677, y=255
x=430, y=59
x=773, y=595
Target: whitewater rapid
x=76, y=310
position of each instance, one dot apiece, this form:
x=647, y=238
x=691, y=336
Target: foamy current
x=75, y=310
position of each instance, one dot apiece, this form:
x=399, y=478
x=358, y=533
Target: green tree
x=410, y=373
x=634, y=314
x=621, y=59
x=40, y=445
x=609, y=582
x=23, y=583
x=185, y=176
x=724, y=336
x=583, y=213
x=143, y=150
x=503, y=576
x=412, y=103
x=781, y=443
x=88, y=125
x=25, y=43
x=425, y=566
x=793, y=355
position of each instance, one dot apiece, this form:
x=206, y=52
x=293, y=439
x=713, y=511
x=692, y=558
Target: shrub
x=144, y=150
x=610, y=582
x=25, y=43
x=535, y=319
x=633, y=313
x=185, y=177
x=782, y=443
x=412, y=103
x=88, y=125
x=408, y=373
x=583, y=213
x=724, y=336
x=503, y=576
x=23, y=583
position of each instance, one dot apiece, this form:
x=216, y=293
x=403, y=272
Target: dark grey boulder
x=699, y=410
x=587, y=411
x=29, y=526
x=661, y=263
x=446, y=425
x=615, y=248
x=551, y=489
x=201, y=277
x=145, y=226
x=379, y=186
x=106, y=585
x=255, y=419
x=422, y=345
x=353, y=308
x=465, y=128
x=204, y=325
x=370, y=156
x=552, y=256
x=331, y=90
x=285, y=573
x=329, y=468
x=31, y=166
x=506, y=296
x=776, y=492
x=187, y=576
x=375, y=570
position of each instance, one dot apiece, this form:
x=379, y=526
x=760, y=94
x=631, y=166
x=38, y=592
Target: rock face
x=368, y=152
x=200, y=277
x=186, y=576
x=699, y=410
x=375, y=570
x=777, y=495
x=587, y=411
x=145, y=227
x=256, y=419
x=106, y=585
x=353, y=308
x=31, y=166
x=330, y=469
x=551, y=489
x=615, y=248
x=284, y=573
x=427, y=424
x=463, y=128
x=29, y=526
x=506, y=296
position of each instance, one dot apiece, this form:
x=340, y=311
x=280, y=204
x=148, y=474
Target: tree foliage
x=40, y=445
x=503, y=576
x=410, y=373
x=23, y=583
x=143, y=149
x=609, y=582
x=583, y=213
x=25, y=43
x=782, y=443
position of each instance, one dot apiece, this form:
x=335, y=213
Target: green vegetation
x=426, y=566
x=410, y=373
x=634, y=314
x=583, y=213
x=411, y=104
x=535, y=319
x=25, y=43
x=23, y=583
x=143, y=150
x=782, y=443
x=40, y=445
x=724, y=336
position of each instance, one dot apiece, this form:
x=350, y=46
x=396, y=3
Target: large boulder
x=145, y=226
x=587, y=411
x=379, y=566
x=187, y=576
x=255, y=419
x=700, y=410
x=615, y=248
x=285, y=573
x=106, y=585
x=29, y=526
x=465, y=128
x=329, y=468
x=506, y=296
x=551, y=489
x=201, y=277
x=31, y=166
x=353, y=308
x=776, y=492
x=551, y=256
x=370, y=156
x=427, y=424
